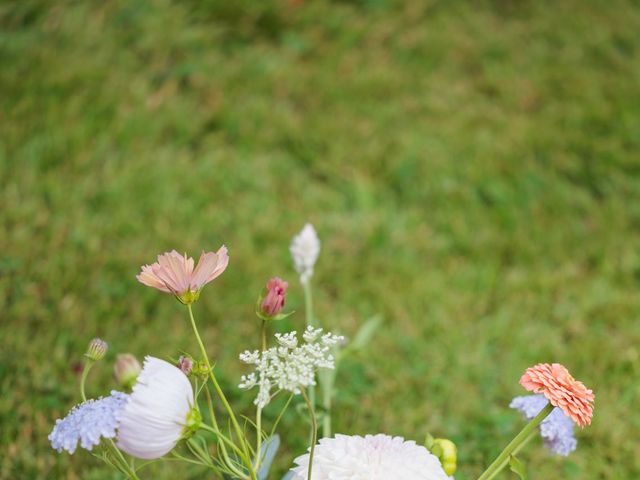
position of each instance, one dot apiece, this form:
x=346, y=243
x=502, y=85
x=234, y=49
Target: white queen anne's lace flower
x=153, y=420
x=289, y=366
x=88, y=422
x=373, y=457
x=305, y=248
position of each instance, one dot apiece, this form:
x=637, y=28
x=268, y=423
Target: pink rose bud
x=126, y=370
x=185, y=364
x=274, y=299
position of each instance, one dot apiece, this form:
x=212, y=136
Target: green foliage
x=517, y=467
x=471, y=168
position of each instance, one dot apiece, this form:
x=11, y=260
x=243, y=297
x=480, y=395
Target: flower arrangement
x=167, y=410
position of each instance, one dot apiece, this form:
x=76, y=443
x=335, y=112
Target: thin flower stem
x=503, y=459
x=221, y=394
x=126, y=468
x=123, y=464
x=222, y=437
x=310, y=320
x=327, y=394
x=83, y=379
x=214, y=420
x=264, y=335
x=314, y=432
x=524, y=443
x=275, y=424
x=308, y=304
x=202, y=454
x=258, y=459
x=259, y=439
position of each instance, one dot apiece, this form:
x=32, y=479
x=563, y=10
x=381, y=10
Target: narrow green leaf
x=365, y=333
x=517, y=467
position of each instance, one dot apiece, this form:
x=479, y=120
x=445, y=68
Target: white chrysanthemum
x=305, y=248
x=373, y=457
x=153, y=420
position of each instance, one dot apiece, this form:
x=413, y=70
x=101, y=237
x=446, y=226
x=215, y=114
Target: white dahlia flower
x=305, y=248
x=154, y=418
x=373, y=457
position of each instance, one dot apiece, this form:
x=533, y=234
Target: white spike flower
x=373, y=457
x=305, y=248
x=158, y=410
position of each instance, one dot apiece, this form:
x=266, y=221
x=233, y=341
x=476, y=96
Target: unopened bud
x=274, y=299
x=97, y=349
x=126, y=370
x=447, y=452
x=185, y=364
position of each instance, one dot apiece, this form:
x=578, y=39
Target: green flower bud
x=447, y=452
x=97, y=349
x=194, y=421
x=126, y=370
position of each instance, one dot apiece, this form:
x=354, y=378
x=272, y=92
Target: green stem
x=124, y=467
x=327, y=394
x=83, y=379
x=259, y=439
x=221, y=394
x=259, y=409
x=264, y=335
x=308, y=304
x=310, y=321
x=284, y=409
x=503, y=459
x=532, y=434
x=314, y=432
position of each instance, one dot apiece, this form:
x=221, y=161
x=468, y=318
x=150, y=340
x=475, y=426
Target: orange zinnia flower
x=556, y=383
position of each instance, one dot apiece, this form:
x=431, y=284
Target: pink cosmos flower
x=175, y=273
x=556, y=383
x=274, y=300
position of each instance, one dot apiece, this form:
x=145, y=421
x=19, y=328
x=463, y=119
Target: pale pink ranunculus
x=563, y=391
x=275, y=297
x=175, y=273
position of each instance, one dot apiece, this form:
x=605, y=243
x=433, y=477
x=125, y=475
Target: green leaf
x=365, y=333
x=428, y=441
x=517, y=467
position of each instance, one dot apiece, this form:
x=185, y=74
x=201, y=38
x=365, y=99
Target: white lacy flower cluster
x=289, y=366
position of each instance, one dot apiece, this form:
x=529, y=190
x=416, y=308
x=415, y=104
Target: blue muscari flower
x=556, y=430
x=88, y=423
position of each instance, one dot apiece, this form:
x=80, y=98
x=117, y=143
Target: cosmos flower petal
x=175, y=273
x=150, y=279
x=153, y=420
x=210, y=266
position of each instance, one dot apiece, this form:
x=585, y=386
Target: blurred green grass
x=472, y=170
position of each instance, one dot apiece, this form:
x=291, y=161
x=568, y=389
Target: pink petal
x=175, y=271
x=148, y=278
x=210, y=265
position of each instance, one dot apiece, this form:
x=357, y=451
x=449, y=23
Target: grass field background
x=472, y=169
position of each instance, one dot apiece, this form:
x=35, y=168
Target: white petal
x=153, y=420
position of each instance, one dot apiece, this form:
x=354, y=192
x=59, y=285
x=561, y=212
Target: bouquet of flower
x=177, y=409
